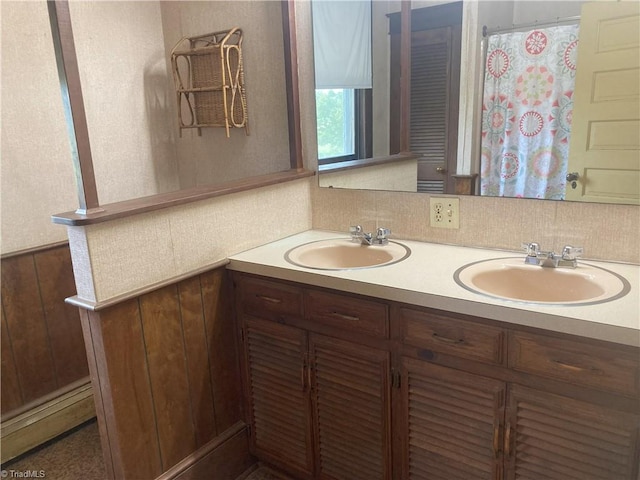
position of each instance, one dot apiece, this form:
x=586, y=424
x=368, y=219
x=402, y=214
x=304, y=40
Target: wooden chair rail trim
x=32, y=250
x=97, y=306
x=151, y=203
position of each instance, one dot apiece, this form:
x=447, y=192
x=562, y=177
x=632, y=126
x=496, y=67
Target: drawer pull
x=496, y=440
x=452, y=341
x=342, y=316
x=269, y=299
x=573, y=368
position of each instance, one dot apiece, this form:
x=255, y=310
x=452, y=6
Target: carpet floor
x=77, y=455
x=72, y=456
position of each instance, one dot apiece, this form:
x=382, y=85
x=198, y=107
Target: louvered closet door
x=453, y=420
x=556, y=438
x=351, y=410
x=279, y=400
x=433, y=125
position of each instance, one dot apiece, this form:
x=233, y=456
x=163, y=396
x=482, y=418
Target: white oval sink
x=512, y=279
x=343, y=254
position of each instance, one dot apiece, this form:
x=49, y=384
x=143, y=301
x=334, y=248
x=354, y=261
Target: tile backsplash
x=607, y=232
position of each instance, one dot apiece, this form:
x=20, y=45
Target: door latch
x=572, y=179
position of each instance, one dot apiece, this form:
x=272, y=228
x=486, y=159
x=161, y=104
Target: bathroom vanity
x=398, y=372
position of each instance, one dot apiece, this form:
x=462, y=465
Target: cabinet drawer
x=452, y=336
x=347, y=313
x=604, y=368
x=266, y=298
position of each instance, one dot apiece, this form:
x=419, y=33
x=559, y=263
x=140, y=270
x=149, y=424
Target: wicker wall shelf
x=209, y=80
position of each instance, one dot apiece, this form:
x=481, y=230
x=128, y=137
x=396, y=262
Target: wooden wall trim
x=292, y=84
x=367, y=162
x=32, y=250
x=465, y=184
x=97, y=394
x=43, y=422
x=69, y=74
x=405, y=77
x=223, y=449
x=127, y=208
x=97, y=306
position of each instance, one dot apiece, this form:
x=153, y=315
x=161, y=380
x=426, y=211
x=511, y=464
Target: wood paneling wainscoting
x=44, y=365
x=164, y=366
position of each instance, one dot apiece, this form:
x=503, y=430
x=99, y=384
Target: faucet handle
x=355, y=231
x=383, y=232
x=382, y=235
x=571, y=253
x=532, y=249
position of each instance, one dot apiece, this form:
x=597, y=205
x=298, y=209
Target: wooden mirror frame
x=90, y=211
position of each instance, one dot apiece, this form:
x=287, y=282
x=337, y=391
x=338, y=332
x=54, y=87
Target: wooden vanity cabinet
x=561, y=436
x=491, y=425
x=472, y=398
x=462, y=426
x=277, y=394
x=554, y=437
x=451, y=423
x=351, y=409
x=598, y=366
x=318, y=402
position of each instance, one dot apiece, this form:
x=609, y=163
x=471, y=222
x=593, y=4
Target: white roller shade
x=342, y=43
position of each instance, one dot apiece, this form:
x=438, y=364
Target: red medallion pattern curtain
x=526, y=112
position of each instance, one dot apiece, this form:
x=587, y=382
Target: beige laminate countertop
x=426, y=279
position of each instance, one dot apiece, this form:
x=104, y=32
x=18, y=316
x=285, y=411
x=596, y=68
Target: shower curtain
x=526, y=112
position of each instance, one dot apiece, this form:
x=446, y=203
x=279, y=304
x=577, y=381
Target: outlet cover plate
x=444, y=212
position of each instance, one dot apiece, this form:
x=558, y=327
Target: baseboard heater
x=46, y=418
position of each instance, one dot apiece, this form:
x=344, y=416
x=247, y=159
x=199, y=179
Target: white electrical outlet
x=444, y=212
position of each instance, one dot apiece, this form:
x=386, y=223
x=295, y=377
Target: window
x=344, y=124
x=342, y=61
x=336, y=123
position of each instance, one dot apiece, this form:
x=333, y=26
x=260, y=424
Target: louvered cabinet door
x=278, y=394
x=351, y=410
x=556, y=438
x=452, y=423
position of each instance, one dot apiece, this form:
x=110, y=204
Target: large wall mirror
x=507, y=98
x=132, y=105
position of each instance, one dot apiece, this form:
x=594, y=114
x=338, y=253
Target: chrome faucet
x=567, y=259
x=358, y=235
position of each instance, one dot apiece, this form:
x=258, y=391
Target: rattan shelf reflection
x=209, y=81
